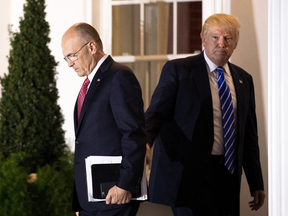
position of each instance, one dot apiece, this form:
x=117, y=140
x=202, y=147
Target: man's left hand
x=259, y=197
x=118, y=196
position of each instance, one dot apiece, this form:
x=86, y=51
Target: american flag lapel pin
x=241, y=81
x=98, y=80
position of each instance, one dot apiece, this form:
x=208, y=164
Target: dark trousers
x=213, y=191
x=114, y=210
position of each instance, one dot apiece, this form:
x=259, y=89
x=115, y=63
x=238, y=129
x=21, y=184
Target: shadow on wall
x=252, y=55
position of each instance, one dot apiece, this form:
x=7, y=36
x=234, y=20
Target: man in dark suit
x=192, y=171
x=108, y=120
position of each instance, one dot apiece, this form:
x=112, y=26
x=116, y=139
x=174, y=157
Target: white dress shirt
x=218, y=146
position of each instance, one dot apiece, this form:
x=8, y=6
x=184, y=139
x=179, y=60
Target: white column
x=102, y=21
x=210, y=7
x=277, y=107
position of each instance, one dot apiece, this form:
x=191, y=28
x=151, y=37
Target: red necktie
x=82, y=95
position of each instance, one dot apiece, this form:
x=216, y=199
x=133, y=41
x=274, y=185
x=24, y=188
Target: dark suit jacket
x=111, y=123
x=180, y=120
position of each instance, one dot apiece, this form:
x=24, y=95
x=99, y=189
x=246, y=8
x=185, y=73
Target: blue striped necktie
x=228, y=121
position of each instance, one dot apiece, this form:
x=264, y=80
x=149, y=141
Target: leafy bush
x=50, y=194
x=13, y=186
x=31, y=120
x=31, y=134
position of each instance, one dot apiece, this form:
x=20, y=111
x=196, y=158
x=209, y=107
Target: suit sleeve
x=162, y=104
x=251, y=158
x=127, y=107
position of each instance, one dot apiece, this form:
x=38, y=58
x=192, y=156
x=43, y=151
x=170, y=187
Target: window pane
x=158, y=29
x=189, y=24
x=148, y=74
x=126, y=30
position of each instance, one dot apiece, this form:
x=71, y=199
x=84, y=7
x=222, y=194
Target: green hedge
x=50, y=194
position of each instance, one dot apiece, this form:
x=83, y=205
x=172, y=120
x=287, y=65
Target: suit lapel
x=201, y=80
x=204, y=91
x=240, y=94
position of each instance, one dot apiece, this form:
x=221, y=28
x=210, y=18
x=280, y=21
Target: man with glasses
x=108, y=121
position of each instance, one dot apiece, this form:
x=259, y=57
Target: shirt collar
x=212, y=67
x=92, y=74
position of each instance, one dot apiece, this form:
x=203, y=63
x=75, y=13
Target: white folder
x=89, y=161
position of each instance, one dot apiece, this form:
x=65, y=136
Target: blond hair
x=224, y=21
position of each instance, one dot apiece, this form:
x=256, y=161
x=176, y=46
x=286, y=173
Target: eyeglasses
x=73, y=56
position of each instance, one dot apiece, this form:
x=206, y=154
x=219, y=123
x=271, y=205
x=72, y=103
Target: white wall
x=61, y=14
x=252, y=55
x=4, y=36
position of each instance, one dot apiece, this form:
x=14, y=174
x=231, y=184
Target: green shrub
x=31, y=134
x=13, y=186
x=31, y=120
x=50, y=194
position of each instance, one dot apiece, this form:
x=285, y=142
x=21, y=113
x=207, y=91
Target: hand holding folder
x=118, y=196
x=102, y=175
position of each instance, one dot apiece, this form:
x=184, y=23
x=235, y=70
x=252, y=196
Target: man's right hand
x=118, y=196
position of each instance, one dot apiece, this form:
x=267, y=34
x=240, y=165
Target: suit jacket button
x=76, y=142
